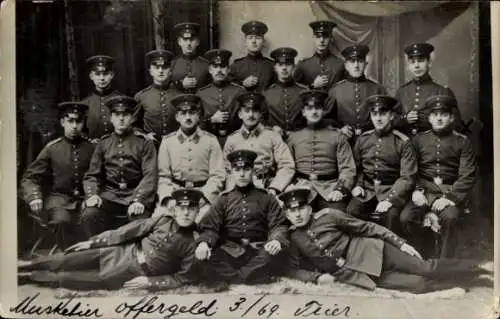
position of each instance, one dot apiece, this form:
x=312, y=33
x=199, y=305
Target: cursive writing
x=148, y=305
x=314, y=308
x=64, y=308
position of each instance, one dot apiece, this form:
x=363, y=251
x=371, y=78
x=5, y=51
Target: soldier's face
x=299, y=216
x=159, y=73
x=355, y=67
x=321, y=42
x=284, y=71
x=218, y=72
x=188, y=119
x=440, y=120
x=185, y=215
x=188, y=45
x=72, y=124
x=250, y=116
x=419, y=66
x=313, y=114
x=381, y=119
x=122, y=121
x=254, y=43
x=242, y=175
x=101, y=79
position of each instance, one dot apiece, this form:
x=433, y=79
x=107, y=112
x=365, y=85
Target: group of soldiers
x=242, y=172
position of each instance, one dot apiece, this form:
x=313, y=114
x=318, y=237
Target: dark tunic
x=193, y=66
x=98, y=118
x=256, y=65
x=284, y=105
x=308, y=69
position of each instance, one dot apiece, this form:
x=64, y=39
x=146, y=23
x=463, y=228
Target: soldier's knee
x=449, y=215
x=354, y=207
x=60, y=216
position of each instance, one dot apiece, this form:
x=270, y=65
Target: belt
x=247, y=243
x=189, y=184
x=444, y=180
x=122, y=185
x=316, y=177
x=382, y=180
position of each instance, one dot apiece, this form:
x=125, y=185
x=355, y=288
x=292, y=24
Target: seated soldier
x=243, y=236
x=121, y=182
x=59, y=170
x=274, y=166
x=189, y=157
x=346, y=249
x=446, y=176
x=323, y=156
x=386, y=167
x=155, y=253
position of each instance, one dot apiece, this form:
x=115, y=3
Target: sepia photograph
x=247, y=159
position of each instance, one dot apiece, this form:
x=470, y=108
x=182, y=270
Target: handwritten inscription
x=252, y=308
x=314, y=308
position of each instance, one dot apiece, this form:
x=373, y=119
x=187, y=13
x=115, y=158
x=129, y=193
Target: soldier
x=189, y=157
x=345, y=99
x=189, y=71
x=446, y=176
x=219, y=98
x=274, y=167
x=155, y=253
x=415, y=92
x=101, y=74
x=121, y=181
x=340, y=247
x=282, y=98
x=243, y=236
x=323, y=157
x=58, y=170
x=159, y=114
x=322, y=70
x=386, y=167
x=254, y=71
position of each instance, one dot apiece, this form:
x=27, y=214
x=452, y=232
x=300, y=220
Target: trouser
x=365, y=211
x=411, y=223
x=319, y=203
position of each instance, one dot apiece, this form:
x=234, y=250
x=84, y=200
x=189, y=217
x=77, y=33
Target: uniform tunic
x=308, y=69
x=98, y=116
x=256, y=65
x=412, y=96
x=284, y=105
x=123, y=169
x=195, y=158
x=192, y=66
x=323, y=151
x=274, y=160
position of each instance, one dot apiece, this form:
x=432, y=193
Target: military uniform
x=386, y=169
x=123, y=170
x=253, y=64
x=237, y=226
x=323, y=160
x=157, y=247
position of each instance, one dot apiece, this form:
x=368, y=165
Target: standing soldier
x=101, y=74
x=322, y=70
x=159, y=114
x=254, y=71
x=59, y=170
x=283, y=97
x=413, y=94
x=345, y=99
x=219, y=99
x=323, y=156
x=189, y=71
x=274, y=166
x=446, y=176
x=386, y=167
x=121, y=181
x=189, y=157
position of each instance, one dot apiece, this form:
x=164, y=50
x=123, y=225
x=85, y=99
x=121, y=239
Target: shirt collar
x=255, y=132
x=323, y=55
x=104, y=92
x=423, y=79
x=195, y=137
x=353, y=79
x=256, y=56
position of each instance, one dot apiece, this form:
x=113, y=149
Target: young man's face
x=418, y=66
x=160, y=74
x=122, y=120
x=321, y=43
x=254, y=43
x=440, y=120
x=355, y=67
x=218, y=72
x=242, y=175
x=381, y=119
x=185, y=215
x=313, y=114
x=299, y=216
x=250, y=116
x=284, y=71
x=101, y=79
x=72, y=124
x=188, y=119
x=188, y=45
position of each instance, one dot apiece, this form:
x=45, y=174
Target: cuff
x=452, y=197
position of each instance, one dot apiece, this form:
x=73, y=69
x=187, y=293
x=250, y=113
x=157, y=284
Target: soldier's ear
x=432, y=56
x=112, y=74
